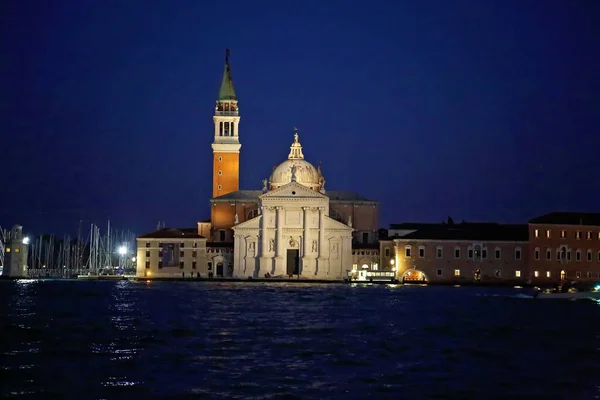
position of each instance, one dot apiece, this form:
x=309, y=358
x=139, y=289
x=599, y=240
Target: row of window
x=564, y=234
x=474, y=252
x=181, y=264
x=498, y=274
x=564, y=254
x=181, y=245
x=477, y=273
x=181, y=253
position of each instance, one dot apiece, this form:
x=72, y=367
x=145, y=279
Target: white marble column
x=279, y=257
x=322, y=255
x=245, y=252
x=263, y=233
x=264, y=242
x=307, y=257
x=217, y=126
x=239, y=263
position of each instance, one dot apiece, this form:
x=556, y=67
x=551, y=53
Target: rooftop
x=568, y=218
x=173, y=233
x=486, y=231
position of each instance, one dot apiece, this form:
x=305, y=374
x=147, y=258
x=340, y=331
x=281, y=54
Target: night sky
x=479, y=110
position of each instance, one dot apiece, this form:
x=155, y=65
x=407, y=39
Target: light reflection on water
x=239, y=340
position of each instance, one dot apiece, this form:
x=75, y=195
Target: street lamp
x=122, y=250
x=26, y=240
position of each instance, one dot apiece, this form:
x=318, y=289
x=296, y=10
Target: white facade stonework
x=293, y=235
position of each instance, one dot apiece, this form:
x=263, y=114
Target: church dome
x=297, y=169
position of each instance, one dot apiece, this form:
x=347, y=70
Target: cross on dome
x=296, y=148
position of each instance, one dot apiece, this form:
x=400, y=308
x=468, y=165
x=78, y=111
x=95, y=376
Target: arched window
x=497, y=253
x=477, y=253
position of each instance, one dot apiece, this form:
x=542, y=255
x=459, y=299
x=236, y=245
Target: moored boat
x=570, y=293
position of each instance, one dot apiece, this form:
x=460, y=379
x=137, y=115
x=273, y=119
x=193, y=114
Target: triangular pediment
x=253, y=223
x=293, y=189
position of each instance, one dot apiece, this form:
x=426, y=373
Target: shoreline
x=511, y=284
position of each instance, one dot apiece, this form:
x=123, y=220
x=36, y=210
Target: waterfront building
x=457, y=253
x=171, y=253
x=564, y=246
x=16, y=250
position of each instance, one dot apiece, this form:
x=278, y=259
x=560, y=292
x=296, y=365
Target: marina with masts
x=93, y=253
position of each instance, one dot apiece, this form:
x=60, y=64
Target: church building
x=293, y=235
x=292, y=226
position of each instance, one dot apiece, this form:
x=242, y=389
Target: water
x=110, y=340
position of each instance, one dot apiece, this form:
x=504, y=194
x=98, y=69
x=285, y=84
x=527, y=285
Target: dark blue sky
x=482, y=110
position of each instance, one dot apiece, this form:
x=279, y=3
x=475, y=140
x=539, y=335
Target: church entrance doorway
x=293, y=262
x=220, y=270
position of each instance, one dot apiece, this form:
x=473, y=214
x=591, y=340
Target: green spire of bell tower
x=226, y=92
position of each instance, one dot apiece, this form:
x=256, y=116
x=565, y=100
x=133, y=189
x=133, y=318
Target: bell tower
x=226, y=144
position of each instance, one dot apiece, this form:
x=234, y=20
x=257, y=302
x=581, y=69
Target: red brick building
x=457, y=253
x=564, y=246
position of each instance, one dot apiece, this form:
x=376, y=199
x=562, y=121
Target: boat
x=570, y=294
x=371, y=276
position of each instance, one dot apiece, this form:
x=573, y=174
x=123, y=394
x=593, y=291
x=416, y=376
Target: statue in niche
x=265, y=182
x=251, y=247
x=314, y=245
x=334, y=248
x=350, y=221
x=271, y=244
x=236, y=219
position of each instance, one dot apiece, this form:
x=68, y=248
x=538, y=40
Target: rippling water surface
x=106, y=340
